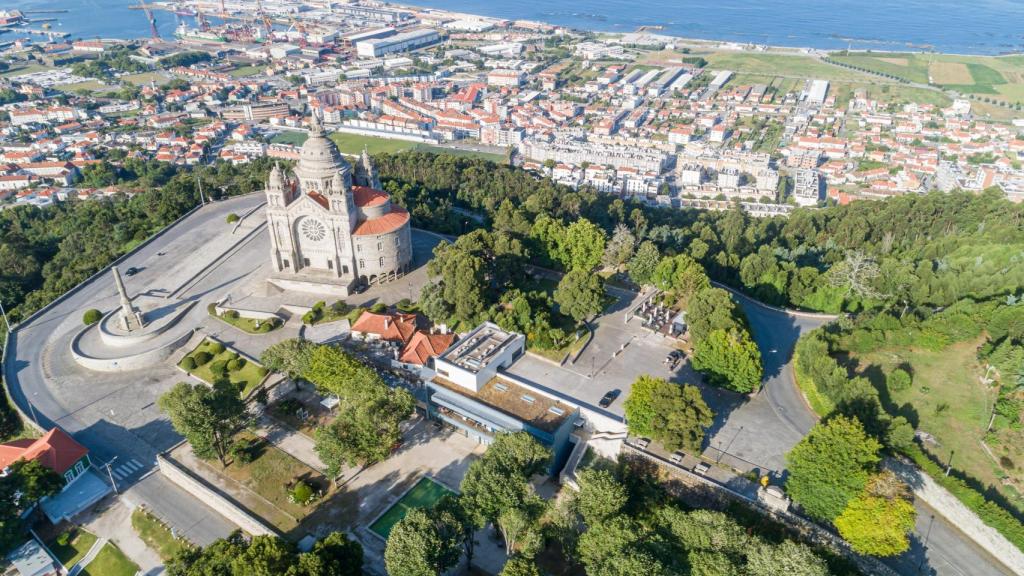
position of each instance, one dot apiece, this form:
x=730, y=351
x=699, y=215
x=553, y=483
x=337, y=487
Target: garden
x=111, y=561
x=71, y=545
x=211, y=361
x=272, y=484
x=156, y=534
x=243, y=323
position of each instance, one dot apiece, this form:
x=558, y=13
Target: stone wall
x=184, y=479
x=126, y=363
x=953, y=510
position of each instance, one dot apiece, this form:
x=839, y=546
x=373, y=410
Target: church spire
x=366, y=173
x=316, y=127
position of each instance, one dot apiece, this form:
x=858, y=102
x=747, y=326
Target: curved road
x=107, y=412
x=948, y=552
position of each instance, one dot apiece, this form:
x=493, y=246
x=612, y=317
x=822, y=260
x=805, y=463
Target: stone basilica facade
x=331, y=227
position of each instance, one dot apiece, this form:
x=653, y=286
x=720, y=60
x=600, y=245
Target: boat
x=185, y=33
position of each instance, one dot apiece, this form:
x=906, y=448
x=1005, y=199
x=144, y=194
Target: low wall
x=184, y=480
x=126, y=363
x=952, y=509
x=245, y=313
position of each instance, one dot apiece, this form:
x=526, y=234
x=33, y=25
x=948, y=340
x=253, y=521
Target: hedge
x=91, y=316
x=990, y=513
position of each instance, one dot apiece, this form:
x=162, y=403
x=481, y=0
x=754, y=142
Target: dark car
x=674, y=356
x=131, y=271
x=608, y=398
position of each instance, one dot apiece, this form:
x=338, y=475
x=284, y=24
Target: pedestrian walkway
x=89, y=556
x=126, y=470
x=298, y=445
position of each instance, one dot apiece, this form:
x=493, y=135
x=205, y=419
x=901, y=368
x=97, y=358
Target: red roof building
x=424, y=346
x=56, y=450
x=391, y=327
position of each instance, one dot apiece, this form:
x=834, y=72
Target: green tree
x=785, y=559
x=335, y=555
x=580, y=294
x=25, y=482
x=520, y=565
x=877, y=521
x=673, y=414
x=681, y=275
x=582, y=246
x=600, y=497
x=642, y=265
x=264, y=556
x=831, y=466
x=368, y=433
x=620, y=247
x=729, y=359
x=418, y=546
x=898, y=380
x=291, y=357
x=207, y=416
x=712, y=309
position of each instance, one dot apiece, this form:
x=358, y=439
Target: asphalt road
x=948, y=551
x=31, y=378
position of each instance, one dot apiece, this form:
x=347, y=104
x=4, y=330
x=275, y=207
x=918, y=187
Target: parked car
x=673, y=357
x=131, y=271
x=702, y=468
x=608, y=398
x=643, y=442
x=677, y=457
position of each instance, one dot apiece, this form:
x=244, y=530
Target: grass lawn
x=247, y=71
x=781, y=65
x=156, y=535
x=425, y=494
x=93, y=85
x=250, y=325
x=26, y=69
x=111, y=562
x=145, y=78
x=79, y=544
x=948, y=401
x=266, y=479
x=248, y=377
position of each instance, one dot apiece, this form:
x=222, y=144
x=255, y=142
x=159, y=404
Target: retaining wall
x=184, y=480
x=126, y=363
x=952, y=509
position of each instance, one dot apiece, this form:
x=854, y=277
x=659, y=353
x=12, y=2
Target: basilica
x=331, y=227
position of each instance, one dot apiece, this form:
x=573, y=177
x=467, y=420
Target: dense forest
x=926, y=249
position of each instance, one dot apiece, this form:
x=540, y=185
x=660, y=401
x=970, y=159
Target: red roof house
x=56, y=450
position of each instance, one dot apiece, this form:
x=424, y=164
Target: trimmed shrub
x=898, y=380
x=232, y=218
x=91, y=316
x=188, y=363
x=202, y=357
x=379, y=308
x=232, y=314
x=219, y=368
x=216, y=348
x=302, y=493
x=64, y=539
x=236, y=364
x=241, y=452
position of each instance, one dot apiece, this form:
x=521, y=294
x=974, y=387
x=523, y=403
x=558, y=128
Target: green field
x=247, y=71
x=948, y=401
x=110, y=562
x=156, y=535
x=79, y=543
x=425, y=494
x=999, y=76
x=353, y=144
x=145, y=78
x=783, y=65
x=26, y=69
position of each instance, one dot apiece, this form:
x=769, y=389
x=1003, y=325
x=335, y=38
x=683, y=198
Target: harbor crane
x=152, y=21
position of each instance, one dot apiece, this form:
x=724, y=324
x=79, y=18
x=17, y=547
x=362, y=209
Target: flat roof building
x=471, y=392
x=377, y=47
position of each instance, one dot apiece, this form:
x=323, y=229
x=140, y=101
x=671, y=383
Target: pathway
x=297, y=444
x=89, y=556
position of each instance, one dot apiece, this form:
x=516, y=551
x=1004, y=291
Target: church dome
x=319, y=156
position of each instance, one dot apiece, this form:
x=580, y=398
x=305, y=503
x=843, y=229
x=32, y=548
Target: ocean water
x=959, y=26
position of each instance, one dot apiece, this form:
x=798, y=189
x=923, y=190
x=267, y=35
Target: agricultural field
x=948, y=401
x=353, y=144
x=144, y=78
x=781, y=65
x=1000, y=77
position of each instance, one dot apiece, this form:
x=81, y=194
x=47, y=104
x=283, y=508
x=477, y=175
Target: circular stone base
x=158, y=316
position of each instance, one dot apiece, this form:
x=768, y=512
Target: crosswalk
x=126, y=470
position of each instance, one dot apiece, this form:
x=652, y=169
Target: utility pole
x=111, y=474
x=199, y=182
x=727, y=446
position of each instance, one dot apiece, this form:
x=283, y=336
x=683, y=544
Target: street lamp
x=924, y=550
x=113, y=484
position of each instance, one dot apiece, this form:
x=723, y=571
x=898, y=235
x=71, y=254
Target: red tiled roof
x=390, y=222
x=320, y=199
x=365, y=197
x=56, y=450
x=395, y=327
x=423, y=345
